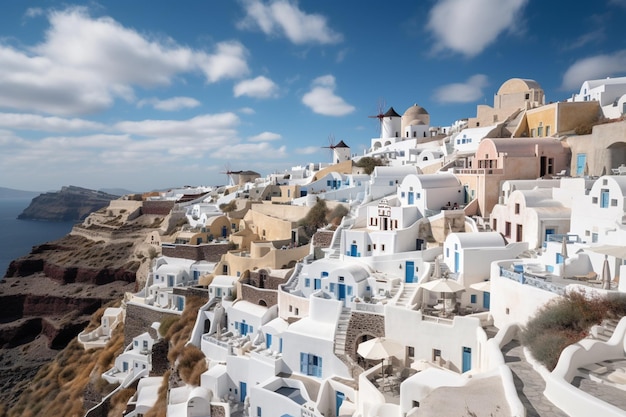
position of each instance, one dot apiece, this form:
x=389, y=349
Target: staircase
x=408, y=290
x=604, y=331
x=342, y=330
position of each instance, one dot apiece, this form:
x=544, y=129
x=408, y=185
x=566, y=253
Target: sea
x=17, y=237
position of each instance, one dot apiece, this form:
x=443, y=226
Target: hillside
x=68, y=204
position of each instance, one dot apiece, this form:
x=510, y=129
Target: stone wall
x=161, y=208
x=269, y=282
x=362, y=324
x=259, y=296
x=208, y=252
x=139, y=318
x=160, y=364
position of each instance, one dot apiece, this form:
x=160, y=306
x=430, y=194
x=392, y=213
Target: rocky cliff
x=48, y=296
x=69, y=204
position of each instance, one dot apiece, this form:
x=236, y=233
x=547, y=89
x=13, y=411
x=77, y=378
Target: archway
x=616, y=156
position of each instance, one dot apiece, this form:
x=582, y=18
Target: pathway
x=529, y=384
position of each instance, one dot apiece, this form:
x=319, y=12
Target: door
x=604, y=198
x=224, y=230
x=268, y=340
x=411, y=198
x=419, y=244
x=467, y=359
x=409, y=272
x=581, y=160
x=353, y=250
x=339, y=397
x=486, y=300
x=243, y=388
x=342, y=292
x=457, y=261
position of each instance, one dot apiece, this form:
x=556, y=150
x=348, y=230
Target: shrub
x=565, y=321
x=166, y=323
x=368, y=164
x=191, y=364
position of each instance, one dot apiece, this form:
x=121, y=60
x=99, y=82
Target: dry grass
x=160, y=407
x=58, y=387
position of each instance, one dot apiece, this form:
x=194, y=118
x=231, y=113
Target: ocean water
x=17, y=237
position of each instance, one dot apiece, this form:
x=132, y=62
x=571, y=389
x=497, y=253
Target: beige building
x=497, y=160
x=601, y=152
x=273, y=255
x=557, y=119
x=514, y=95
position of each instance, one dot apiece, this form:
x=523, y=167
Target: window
x=516, y=208
x=548, y=130
x=332, y=287
x=540, y=129
x=532, y=133
x=307, y=282
x=225, y=269
x=382, y=247
x=613, y=202
x=310, y=364
x=369, y=248
x=258, y=412
x=473, y=298
x=507, y=229
x=527, y=96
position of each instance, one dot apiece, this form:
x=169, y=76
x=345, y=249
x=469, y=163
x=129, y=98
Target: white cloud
x=265, y=137
x=247, y=110
x=282, y=17
x=469, y=26
x=170, y=104
x=322, y=99
x=593, y=68
x=206, y=126
x=259, y=87
x=244, y=151
x=467, y=92
x=47, y=124
x=84, y=64
x=228, y=62
x=307, y=150
x=32, y=12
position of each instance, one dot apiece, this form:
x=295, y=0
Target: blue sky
x=152, y=94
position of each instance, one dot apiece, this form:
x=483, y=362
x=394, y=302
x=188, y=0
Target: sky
x=146, y=95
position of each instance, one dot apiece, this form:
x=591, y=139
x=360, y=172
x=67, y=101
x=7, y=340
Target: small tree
x=368, y=164
x=335, y=216
x=315, y=218
x=228, y=207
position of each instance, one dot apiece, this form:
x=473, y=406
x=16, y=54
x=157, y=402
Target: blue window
x=332, y=287
x=307, y=282
x=329, y=183
x=317, y=283
x=390, y=182
x=324, y=274
x=402, y=194
x=349, y=289
x=310, y=364
x=258, y=412
x=268, y=340
x=280, y=345
x=473, y=298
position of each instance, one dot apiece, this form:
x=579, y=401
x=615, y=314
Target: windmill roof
x=391, y=113
x=341, y=144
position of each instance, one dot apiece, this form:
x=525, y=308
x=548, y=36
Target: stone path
x=529, y=383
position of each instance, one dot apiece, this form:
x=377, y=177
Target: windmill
x=228, y=172
x=380, y=115
x=331, y=145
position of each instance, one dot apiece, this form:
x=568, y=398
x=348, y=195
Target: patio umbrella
x=618, y=251
x=564, y=255
x=606, y=274
x=484, y=286
x=437, y=268
x=443, y=285
x=379, y=348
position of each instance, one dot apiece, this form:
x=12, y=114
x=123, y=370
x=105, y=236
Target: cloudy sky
x=147, y=95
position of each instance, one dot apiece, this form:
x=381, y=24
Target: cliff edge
x=69, y=204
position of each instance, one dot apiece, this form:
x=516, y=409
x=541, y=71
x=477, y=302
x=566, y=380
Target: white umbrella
x=564, y=255
x=437, y=268
x=606, y=274
x=484, y=286
x=443, y=285
x=618, y=251
x=379, y=348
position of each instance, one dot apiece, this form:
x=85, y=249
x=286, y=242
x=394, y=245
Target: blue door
x=243, y=388
x=342, y=291
x=353, y=250
x=224, y=230
x=457, y=261
x=467, y=359
x=317, y=284
x=409, y=271
x=548, y=233
x=180, y=303
x=581, y=161
x=268, y=340
x=339, y=397
x=411, y=198
x=486, y=300
x=124, y=366
x=604, y=198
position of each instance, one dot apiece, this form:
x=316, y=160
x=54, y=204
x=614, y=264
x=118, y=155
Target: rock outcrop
x=69, y=204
